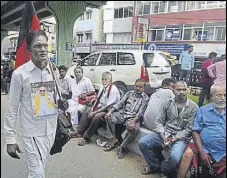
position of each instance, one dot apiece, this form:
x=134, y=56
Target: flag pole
x=54, y=78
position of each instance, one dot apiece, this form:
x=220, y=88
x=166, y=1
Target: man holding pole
x=38, y=134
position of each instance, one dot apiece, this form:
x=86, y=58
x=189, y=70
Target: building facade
x=88, y=29
x=166, y=25
x=9, y=43
x=50, y=29
x=117, y=21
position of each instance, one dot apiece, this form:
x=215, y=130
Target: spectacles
x=42, y=90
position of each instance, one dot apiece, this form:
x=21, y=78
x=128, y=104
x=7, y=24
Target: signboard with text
x=103, y=47
x=69, y=46
x=174, y=49
x=173, y=34
x=142, y=29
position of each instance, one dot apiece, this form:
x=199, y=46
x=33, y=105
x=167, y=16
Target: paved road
x=89, y=161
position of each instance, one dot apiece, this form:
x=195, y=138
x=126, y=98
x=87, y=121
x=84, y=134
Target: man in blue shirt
x=187, y=63
x=209, y=136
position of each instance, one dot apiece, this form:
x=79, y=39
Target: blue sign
x=205, y=35
x=69, y=46
x=173, y=49
x=173, y=34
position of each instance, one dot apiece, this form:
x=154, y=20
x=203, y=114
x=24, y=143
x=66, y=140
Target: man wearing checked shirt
x=187, y=63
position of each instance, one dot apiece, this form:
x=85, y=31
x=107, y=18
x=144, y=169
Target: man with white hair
x=92, y=116
x=209, y=135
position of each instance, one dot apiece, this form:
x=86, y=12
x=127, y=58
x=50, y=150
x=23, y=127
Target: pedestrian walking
x=206, y=80
x=38, y=133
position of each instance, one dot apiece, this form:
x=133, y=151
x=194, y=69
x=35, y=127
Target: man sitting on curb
x=209, y=135
x=128, y=111
x=173, y=128
x=92, y=116
x=156, y=100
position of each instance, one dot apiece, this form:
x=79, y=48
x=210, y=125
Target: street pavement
x=89, y=161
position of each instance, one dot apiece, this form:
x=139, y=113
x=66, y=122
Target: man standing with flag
x=38, y=134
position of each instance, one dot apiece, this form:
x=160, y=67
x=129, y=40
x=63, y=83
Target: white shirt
x=83, y=86
x=20, y=99
x=113, y=98
x=64, y=84
x=154, y=105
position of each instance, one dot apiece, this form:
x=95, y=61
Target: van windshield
x=155, y=60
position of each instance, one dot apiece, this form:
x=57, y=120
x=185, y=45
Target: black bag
x=62, y=134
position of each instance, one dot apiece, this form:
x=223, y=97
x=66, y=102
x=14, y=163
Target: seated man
x=209, y=135
x=172, y=130
x=128, y=111
x=156, y=100
x=92, y=116
x=80, y=87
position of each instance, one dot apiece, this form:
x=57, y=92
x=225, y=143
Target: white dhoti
x=37, y=150
x=73, y=109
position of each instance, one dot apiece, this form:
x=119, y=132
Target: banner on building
x=174, y=49
x=173, y=34
x=142, y=29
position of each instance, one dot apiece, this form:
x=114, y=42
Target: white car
x=76, y=61
x=126, y=66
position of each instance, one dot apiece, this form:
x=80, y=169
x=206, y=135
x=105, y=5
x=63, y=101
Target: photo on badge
x=43, y=99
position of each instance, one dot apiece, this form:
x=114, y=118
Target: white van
x=126, y=66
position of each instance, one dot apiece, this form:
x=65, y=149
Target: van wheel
x=122, y=89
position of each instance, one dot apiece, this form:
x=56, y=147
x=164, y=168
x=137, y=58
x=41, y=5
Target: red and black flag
x=29, y=22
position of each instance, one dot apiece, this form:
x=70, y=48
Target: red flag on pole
x=29, y=22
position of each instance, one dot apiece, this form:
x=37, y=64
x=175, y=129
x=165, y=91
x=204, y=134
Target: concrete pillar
x=4, y=33
x=65, y=12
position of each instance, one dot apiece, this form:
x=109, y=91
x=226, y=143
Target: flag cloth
x=29, y=22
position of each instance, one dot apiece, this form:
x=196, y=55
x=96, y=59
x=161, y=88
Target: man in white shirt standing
x=80, y=87
x=37, y=134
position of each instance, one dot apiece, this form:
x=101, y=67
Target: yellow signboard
x=142, y=29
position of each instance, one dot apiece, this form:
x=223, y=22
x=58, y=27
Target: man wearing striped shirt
x=156, y=100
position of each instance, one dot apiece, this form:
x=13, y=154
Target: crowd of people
x=192, y=136
x=6, y=74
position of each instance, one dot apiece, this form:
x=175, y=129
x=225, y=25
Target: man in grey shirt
x=129, y=111
x=156, y=100
x=173, y=129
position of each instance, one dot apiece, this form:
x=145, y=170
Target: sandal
x=75, y=134
x=148, y=170
x=121, y=153
x=83, y=142
x=111, y=146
